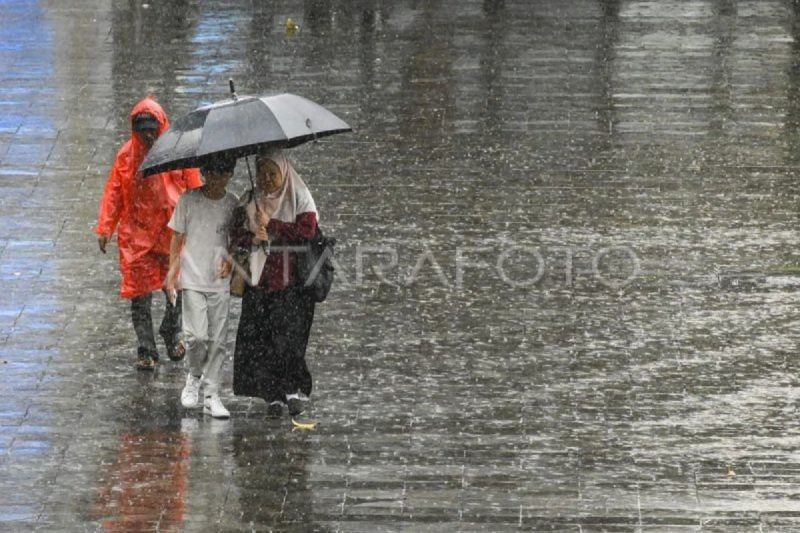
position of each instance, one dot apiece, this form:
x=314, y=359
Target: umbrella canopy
x=239, y=127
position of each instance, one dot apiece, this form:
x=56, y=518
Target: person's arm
x=177, y=223
x=110, y=207
x=175, y=247
x=301, y=230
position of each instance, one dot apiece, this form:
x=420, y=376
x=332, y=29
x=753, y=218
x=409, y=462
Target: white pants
x=205, y=331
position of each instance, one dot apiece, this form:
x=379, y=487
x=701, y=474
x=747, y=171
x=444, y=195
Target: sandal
x=145, y=362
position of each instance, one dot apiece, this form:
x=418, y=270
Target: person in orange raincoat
x=139, y=209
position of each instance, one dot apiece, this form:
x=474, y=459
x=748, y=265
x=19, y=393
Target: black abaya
x=269, y=360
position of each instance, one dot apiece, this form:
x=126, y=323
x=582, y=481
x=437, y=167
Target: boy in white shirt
x=199, y=252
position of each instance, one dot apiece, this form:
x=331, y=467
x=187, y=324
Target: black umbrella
x=240, y=126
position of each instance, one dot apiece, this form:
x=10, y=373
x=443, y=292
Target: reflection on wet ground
x=145, y=487
x=566, y=285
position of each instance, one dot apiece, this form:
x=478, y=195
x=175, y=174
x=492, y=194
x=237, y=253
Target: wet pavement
x=566, y=295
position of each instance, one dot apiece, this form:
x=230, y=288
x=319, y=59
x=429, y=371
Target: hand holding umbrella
x=263, y=222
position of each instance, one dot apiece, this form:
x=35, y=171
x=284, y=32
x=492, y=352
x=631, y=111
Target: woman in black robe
x=277, y=311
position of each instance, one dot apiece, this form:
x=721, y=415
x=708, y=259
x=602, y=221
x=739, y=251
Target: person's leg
x=300, y=309
x=195, y=330
x=276, y=347
x=247, y=358
x=195, y=327
x=217, y=312
x=143, y=324
x=218, y=304
x=302, y=317
x=250, y=354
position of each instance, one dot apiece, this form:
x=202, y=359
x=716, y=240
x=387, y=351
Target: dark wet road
x=568, y=269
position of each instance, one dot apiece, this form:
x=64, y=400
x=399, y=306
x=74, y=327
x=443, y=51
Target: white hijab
x=285, y=204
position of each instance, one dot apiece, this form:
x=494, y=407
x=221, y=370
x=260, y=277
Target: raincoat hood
x=151, y=107
x=138, y=148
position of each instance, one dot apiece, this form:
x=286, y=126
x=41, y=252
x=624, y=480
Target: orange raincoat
x=139, y=209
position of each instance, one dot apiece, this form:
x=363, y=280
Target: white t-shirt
x=205, y=223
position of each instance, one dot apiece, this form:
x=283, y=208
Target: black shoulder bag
x=315, y=266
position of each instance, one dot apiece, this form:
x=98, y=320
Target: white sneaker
x=190, y=395
x=212, y=405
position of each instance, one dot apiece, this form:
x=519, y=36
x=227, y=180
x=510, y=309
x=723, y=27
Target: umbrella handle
x=250, y=175
x=252, y=183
